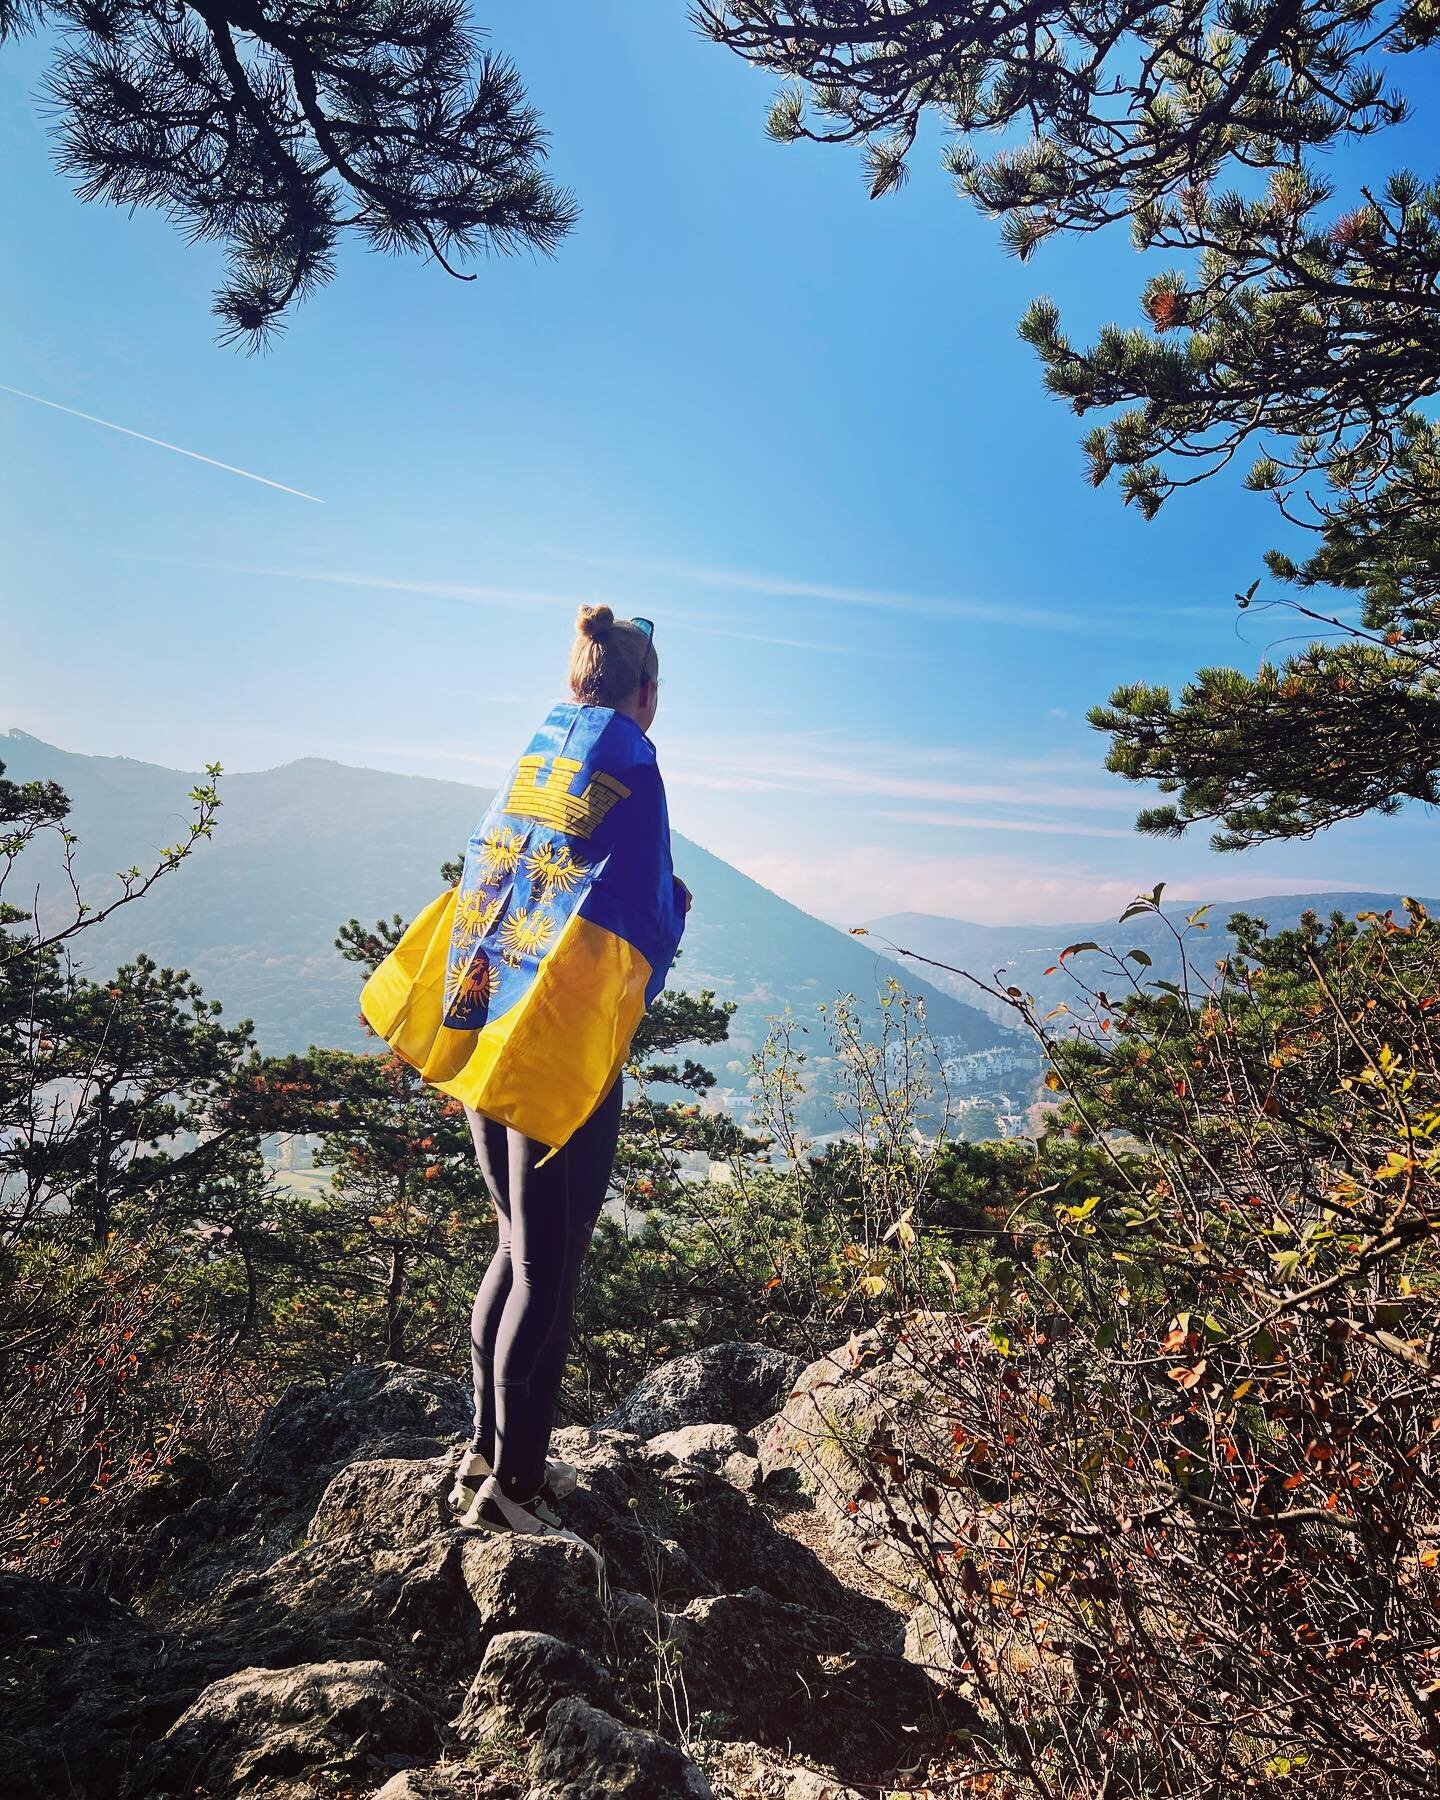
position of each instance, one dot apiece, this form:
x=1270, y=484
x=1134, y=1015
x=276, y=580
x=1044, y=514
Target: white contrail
x=194, y=455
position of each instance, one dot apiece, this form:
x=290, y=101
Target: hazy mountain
x=300, y=848
x=1024, y=952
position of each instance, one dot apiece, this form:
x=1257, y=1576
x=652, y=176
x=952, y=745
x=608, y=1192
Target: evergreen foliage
x=275, y=126
x=1298, y=326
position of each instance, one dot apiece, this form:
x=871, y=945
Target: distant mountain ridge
x=1024, y=952
x=300, y=848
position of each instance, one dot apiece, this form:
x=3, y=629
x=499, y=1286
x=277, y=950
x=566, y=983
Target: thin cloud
x=967, y=822
x=431, y=754
x=500, y=596
x=160, y=443
x=752, y=581
x=825, y=763
x=1141, y=620
x=436, y=590
x=760, y=637
x=996, y=887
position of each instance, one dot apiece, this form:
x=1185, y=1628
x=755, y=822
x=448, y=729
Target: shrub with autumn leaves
x=134, y=1216
x=1177, y=1505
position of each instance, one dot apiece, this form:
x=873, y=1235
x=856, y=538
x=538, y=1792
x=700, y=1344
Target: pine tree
x=1298, y=328
x=275, y=126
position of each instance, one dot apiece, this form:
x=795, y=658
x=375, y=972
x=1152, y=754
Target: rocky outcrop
x=790, y=1677
x=314, y=1429
x=868, y=1392
x=724, y=1448
x=283, y=1732
x=732, y=1383
x=585, y=1754
x=444, y=1781
x=522, y=1675
x=324, y=1627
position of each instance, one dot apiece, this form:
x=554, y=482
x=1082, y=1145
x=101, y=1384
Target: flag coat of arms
x=519, y=990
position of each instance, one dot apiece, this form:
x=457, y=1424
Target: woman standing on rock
x=518, y=993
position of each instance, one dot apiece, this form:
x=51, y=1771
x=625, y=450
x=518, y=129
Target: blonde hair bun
x=609, y=658
x=595, y=622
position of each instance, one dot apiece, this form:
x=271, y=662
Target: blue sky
x=794, y=426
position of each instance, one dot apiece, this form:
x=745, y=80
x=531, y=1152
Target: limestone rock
x=533, y=1584
x=314, y=1603
x=278, y=1731
x=328, y=1615
x=806, y=1784
x=735, y=1382
x=725, y=1449
x=866, y=1388
x=47, y=1614
x=442, y=1781
x=522, y=1676
x=391, y=1500
x=787, y=1676
x=314, y=1428
x=749, y=1771
x=930, y=1640
x=584, y=1754
x=673, y=1530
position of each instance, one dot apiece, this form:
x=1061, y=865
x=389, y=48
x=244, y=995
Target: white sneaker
x=491, y=1511
x=474, y=1470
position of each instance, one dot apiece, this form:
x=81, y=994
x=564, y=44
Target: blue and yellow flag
x=519, y=991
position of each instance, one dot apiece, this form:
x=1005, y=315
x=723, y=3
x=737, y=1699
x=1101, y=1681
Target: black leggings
x=520, y=1327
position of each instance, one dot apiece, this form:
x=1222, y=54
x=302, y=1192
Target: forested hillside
x=300, y=848
x=1029, y=955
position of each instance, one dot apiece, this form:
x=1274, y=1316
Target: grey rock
x=331, y=1615
x=532, y=1584
x=794, y=1678
x=312, y=1428
x=705, y=1444
x=390, y=1500
x=584, y=1754
x=735, y=1382
x=739, y=1767
x=863, y=1390
x=725, y=1449
x=277, y=1732
x=443, y=1781
x=48, y=1614
x=68, y=1654
x=874, y=1391
x=314, y=1603
x=521, y=1677
x=673, y=1530
x=930, y=1640
x=806, y=1784
x=423, y=1594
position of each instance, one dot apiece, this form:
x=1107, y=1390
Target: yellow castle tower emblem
x=550, y=799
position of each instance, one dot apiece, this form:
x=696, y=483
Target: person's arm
x=635, y=892
x=680, y=894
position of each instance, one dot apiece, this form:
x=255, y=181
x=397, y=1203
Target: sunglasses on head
x=645, y=625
